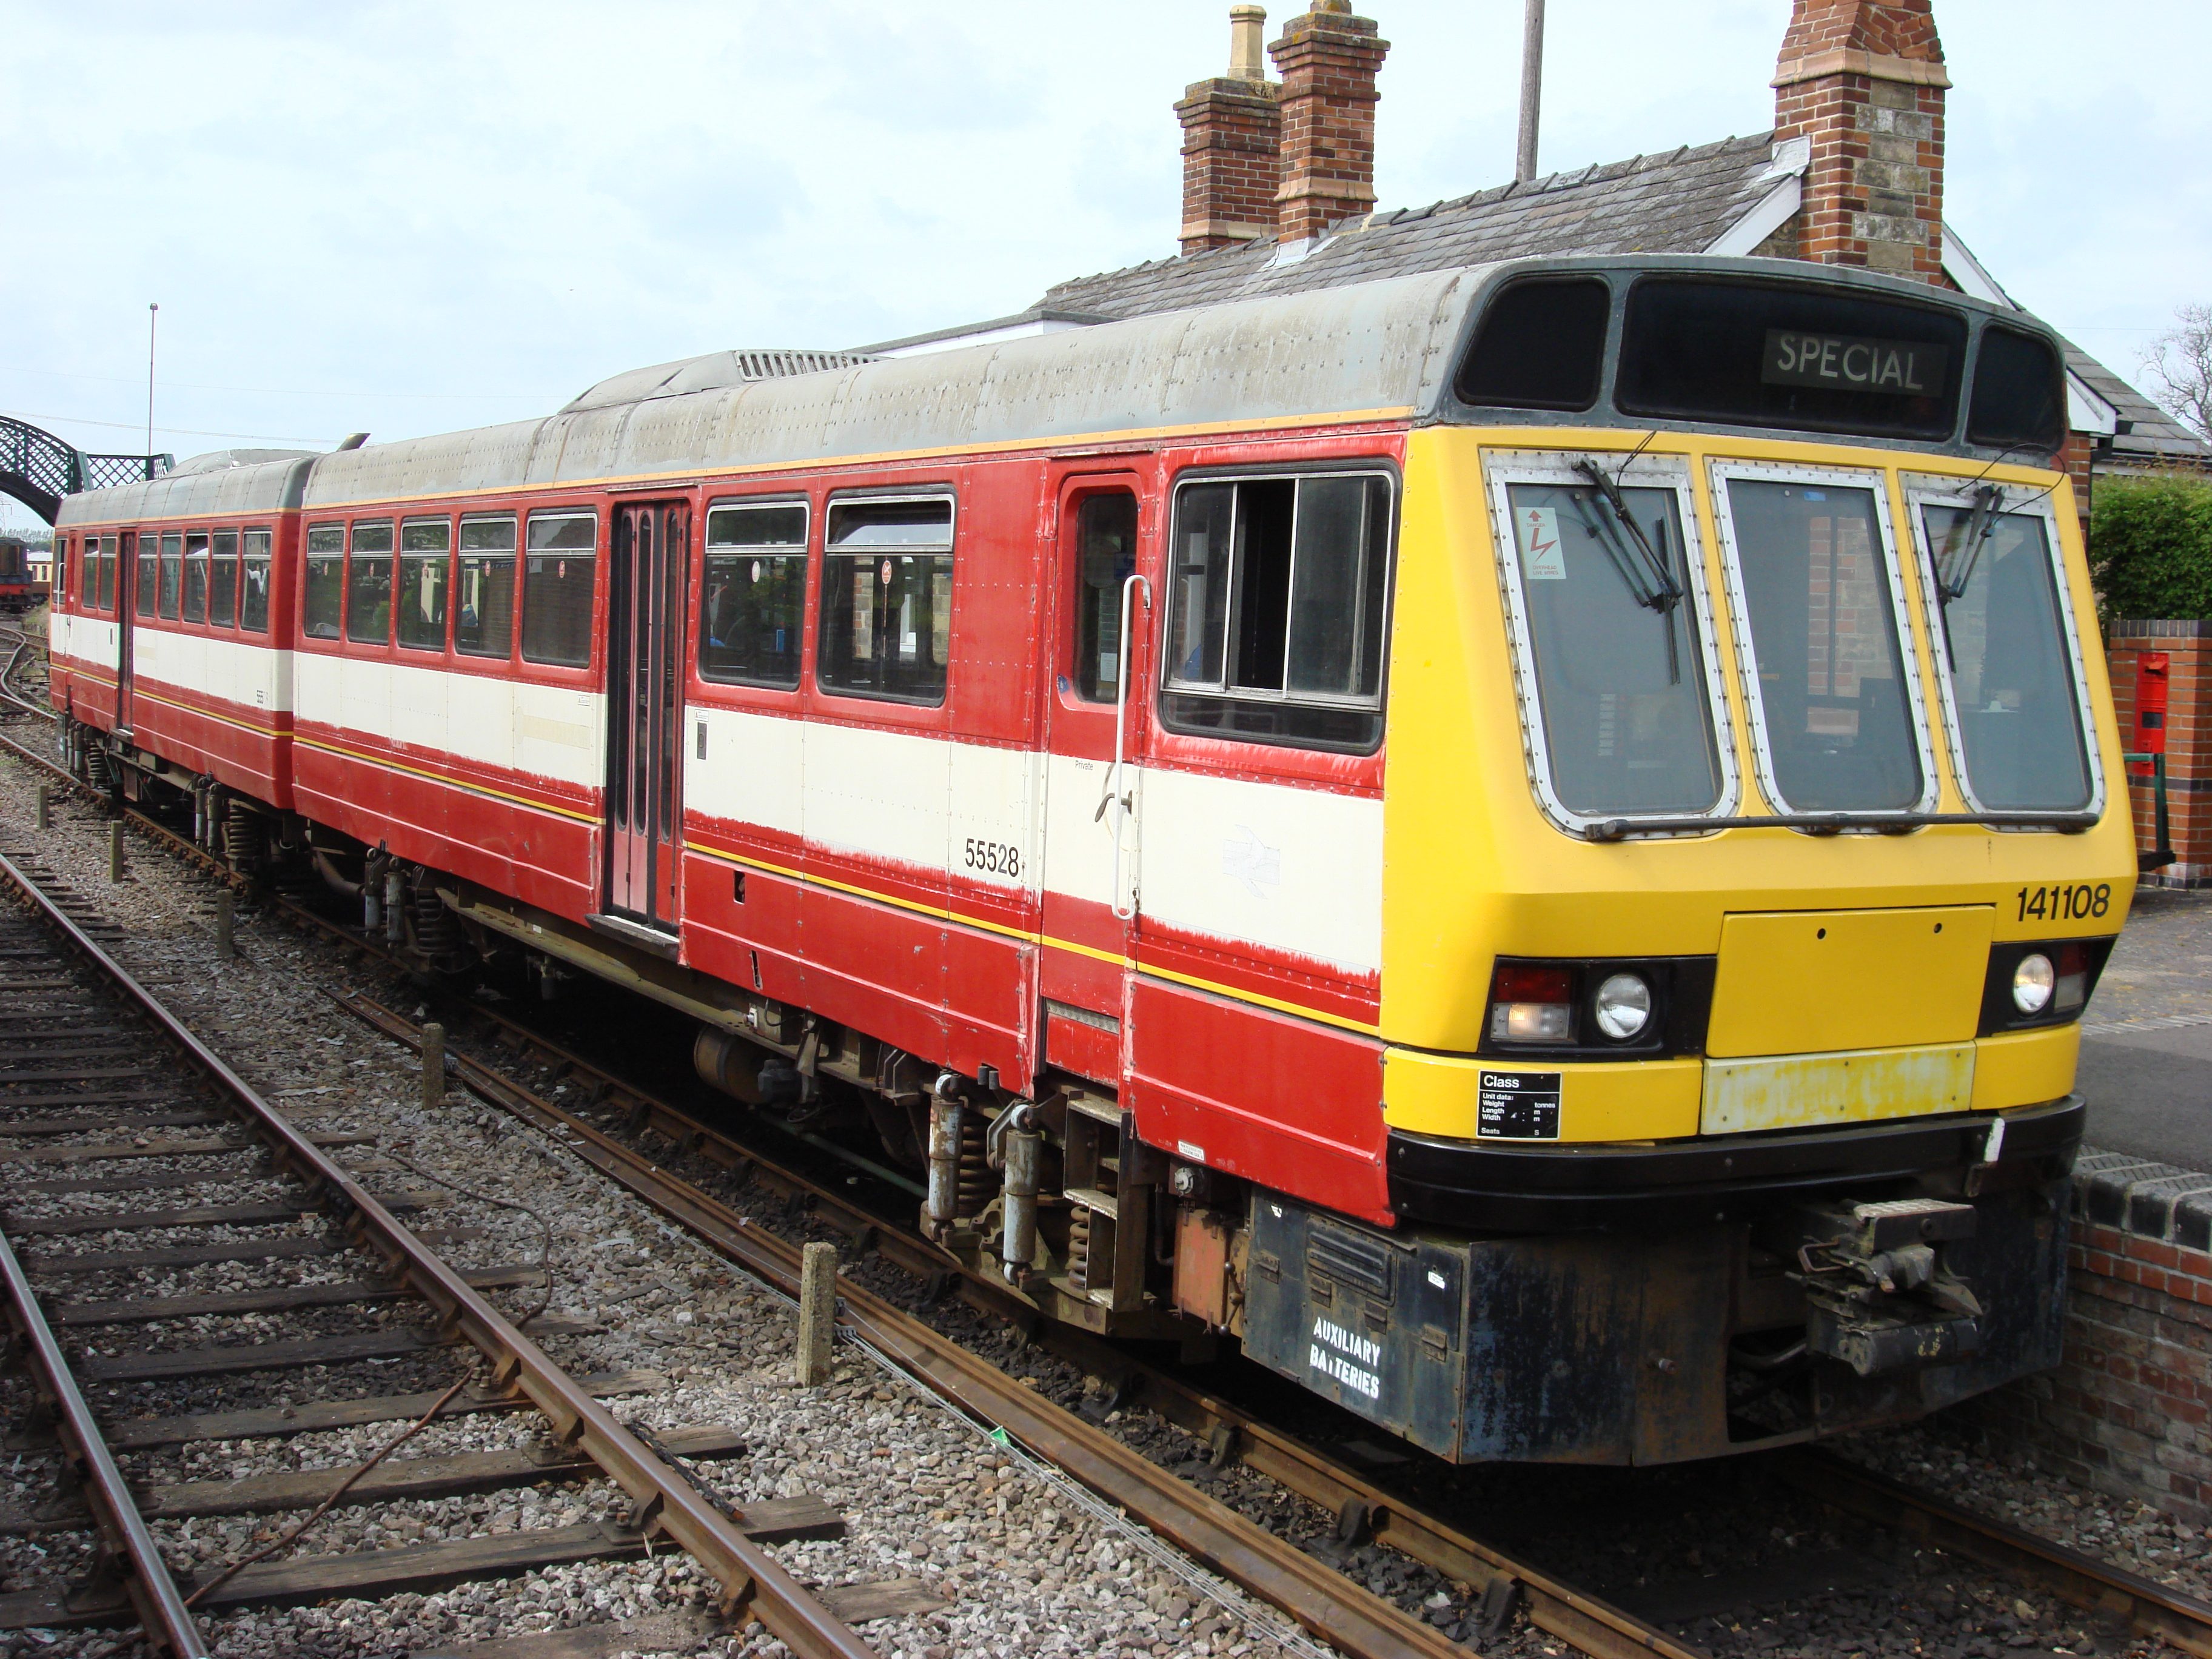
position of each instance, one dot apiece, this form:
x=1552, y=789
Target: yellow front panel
x=1800, y=1092
x=1649, y=1100
x=2025, y=1069
x=1811, y=982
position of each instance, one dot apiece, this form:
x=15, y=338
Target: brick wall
x=2188, y=647
x=1232, y=129
x=2129, y=1411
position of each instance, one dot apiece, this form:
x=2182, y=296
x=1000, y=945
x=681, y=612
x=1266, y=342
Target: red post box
x=2150, y=703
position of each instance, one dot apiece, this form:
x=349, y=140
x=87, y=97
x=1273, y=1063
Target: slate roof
x=1678, y=202
x=2148, y=437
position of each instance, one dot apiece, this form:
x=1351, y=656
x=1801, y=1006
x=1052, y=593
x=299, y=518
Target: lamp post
x=1532, y=90
x=154, y=316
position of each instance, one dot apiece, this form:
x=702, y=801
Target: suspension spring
x=435, y=930
x=975, y=1186
x=1078, y=1247
x=95, y=766
x=242, y=841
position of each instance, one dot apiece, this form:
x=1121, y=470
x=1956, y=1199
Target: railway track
x=122, y=1134
x=634, y=1136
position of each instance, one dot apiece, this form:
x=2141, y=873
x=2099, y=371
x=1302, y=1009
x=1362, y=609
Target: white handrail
x=1114, y=790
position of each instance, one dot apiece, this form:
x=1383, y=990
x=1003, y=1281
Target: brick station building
x=1278, y=197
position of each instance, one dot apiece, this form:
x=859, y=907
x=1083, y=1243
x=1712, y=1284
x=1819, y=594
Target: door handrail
x=1130, y=586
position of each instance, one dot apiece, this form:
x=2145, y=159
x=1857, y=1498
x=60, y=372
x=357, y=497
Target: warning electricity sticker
x=1541, y=559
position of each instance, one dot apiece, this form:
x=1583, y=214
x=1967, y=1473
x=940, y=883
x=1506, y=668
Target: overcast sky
x=413, y=217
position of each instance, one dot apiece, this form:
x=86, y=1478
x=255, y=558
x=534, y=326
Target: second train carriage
x=1527, y=841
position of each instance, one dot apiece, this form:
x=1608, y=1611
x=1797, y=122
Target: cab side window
x=1278, y=605
x=1106, y=556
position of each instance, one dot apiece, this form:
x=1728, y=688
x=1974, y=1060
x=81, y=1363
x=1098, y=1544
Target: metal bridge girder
x=38, y=469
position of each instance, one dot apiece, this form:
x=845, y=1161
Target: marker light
x=2032, y=983
x=1531, y=1005
x=1623, y=1006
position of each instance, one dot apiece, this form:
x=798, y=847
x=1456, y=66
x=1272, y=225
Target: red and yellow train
x=1527, y=841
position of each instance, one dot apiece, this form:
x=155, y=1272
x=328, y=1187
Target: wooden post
x=115, y=850
x=818, y=1312
x=46, y=807
x=226, y=910
x=434, y=1065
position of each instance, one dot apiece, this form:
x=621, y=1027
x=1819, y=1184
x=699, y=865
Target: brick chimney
x=1230, y=127
x=1863, y=80
x=1329, y=60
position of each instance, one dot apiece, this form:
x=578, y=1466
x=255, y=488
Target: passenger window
x=173, y=573
x=223, y=579
x=195, y=577
x=325, y=597
x=755, y=595
x=254, y=582
x=424, y=544
x=368, y=584
x=108, y=547
x=147, y=572
x=887, y=599
x=87, y=562
x=483, y=591
x=1279, y=590
x=558, y=579
x=1106, y=556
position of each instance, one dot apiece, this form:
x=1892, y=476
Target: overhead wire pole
x=1532, y=90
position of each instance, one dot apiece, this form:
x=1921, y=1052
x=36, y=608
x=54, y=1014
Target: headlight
x=2032, y=983
x=1623, y=1006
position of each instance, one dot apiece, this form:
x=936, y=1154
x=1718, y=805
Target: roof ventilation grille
x=776, y=365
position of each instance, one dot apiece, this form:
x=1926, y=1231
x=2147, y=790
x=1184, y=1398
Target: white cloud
x=410, y=217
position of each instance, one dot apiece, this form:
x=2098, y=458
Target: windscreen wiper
x=1981, y=524
x=1834, y=823
x=1648, y=571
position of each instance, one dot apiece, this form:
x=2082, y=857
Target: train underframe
x=1594, y=1305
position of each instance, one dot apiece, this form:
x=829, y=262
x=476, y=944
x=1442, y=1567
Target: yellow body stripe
x=1254, y=998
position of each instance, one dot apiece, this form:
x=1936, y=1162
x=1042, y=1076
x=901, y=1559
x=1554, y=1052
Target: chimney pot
x=1247, y=24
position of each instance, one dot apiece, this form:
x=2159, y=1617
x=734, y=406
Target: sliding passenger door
x=126, y=608
x=645, y=707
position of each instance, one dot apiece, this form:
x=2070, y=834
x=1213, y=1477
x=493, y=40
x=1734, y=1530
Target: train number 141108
x=2065, y=903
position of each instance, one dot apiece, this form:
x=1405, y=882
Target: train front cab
x=1704, y=1132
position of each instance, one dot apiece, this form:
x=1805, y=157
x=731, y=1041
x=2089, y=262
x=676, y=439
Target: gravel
x=1029, y=1564
x=1026, y=1563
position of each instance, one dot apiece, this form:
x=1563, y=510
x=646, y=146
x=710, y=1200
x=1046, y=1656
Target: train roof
x=1382, y=349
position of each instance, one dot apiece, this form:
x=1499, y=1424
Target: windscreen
x=1620, y=675
x=1811, y=567
x=2011, y=677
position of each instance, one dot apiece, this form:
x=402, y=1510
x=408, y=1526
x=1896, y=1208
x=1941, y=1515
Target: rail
x=1316, y=1594
x=132, y=1551
x=753, y=1582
